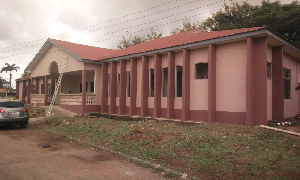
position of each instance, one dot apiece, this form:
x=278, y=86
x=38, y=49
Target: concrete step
x=36, y=112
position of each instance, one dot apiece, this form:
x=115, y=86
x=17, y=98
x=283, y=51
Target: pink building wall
x=199, y=87
x=21, y=88
x=231, y=77
x=291, y=106
x=139, y=85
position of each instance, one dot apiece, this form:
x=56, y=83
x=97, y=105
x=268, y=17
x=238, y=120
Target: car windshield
x=11, y=104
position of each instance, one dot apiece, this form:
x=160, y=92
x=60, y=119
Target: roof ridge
x=79, y=44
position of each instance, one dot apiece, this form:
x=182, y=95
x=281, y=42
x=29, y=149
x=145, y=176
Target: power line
x=134, y=19
x=113, y=32
x=157, y=26
x=135, y=13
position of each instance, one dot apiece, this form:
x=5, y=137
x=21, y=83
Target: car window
x=11, y=104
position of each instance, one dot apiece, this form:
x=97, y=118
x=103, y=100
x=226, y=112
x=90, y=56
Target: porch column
x=113, y=87
x=145, y=84
x=46, y=90
x=171, y=85
x=277, y=84
x=29, y=91
x=83, y=94
x=104, y=91
x=186, y=86
x=157, y=85
x=122, y=88
x=17, y=89
x=23, y=91
x=212, y=83
x=37, y=86
x=256, y=85
x=133, y=87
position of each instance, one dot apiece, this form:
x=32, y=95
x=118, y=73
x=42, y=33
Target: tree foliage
x=25, y=74
x=10, y=68
x=127, y=42
x=187, y=25
x=3, y=83
x=282, y=18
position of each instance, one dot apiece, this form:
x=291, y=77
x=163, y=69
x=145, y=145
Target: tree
x=153, y=35
x=187, y=26
x=281, y=18
x=3, y=83
x=25, y=74
x=125, y=43
x=10, y=68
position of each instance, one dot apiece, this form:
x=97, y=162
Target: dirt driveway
x=22, y=156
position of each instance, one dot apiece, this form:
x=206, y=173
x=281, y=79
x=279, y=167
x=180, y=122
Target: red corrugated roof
x=3, y=90
x=84, y=51
x=178, y=39
x=96, y=53
x=25, y=77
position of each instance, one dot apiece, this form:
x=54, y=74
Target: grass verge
x=207, y=151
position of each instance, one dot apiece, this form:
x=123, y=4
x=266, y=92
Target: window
x=201, y=71
x=118, y=84
x=151, y=82
x=164, y=82
x=178, y=81
x=80, y=88
x=92, y=87
x=269, y=70
x=287, y=83
x=128, y=84
x=11, y=104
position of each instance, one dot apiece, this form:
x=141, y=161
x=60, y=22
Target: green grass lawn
x=207, y=151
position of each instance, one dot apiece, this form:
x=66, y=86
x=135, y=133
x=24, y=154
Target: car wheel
x=23, y=125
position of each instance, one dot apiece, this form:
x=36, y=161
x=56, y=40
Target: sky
x=25, y=25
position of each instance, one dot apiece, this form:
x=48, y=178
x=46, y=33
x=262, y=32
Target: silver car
x=13, y=112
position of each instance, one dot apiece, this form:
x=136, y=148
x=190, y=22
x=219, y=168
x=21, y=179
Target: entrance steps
x=37, y=112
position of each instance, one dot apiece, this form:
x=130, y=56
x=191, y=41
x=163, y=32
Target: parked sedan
x=13, y=112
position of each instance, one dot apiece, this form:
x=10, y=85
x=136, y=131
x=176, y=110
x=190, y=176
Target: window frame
x=128, y=84
x=164, y=82
x=195, y=70
x=151, y=82
x=287, y=73
x=269, y=70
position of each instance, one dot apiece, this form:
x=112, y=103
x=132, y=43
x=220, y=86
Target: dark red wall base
x=194, y=115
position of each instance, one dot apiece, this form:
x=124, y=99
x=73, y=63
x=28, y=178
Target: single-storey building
x=243, y=76
x=4, y=93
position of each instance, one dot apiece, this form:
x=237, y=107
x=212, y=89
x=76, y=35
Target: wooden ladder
x=57, y=87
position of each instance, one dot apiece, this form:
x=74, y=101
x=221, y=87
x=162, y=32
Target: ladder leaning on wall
x=57, y=87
